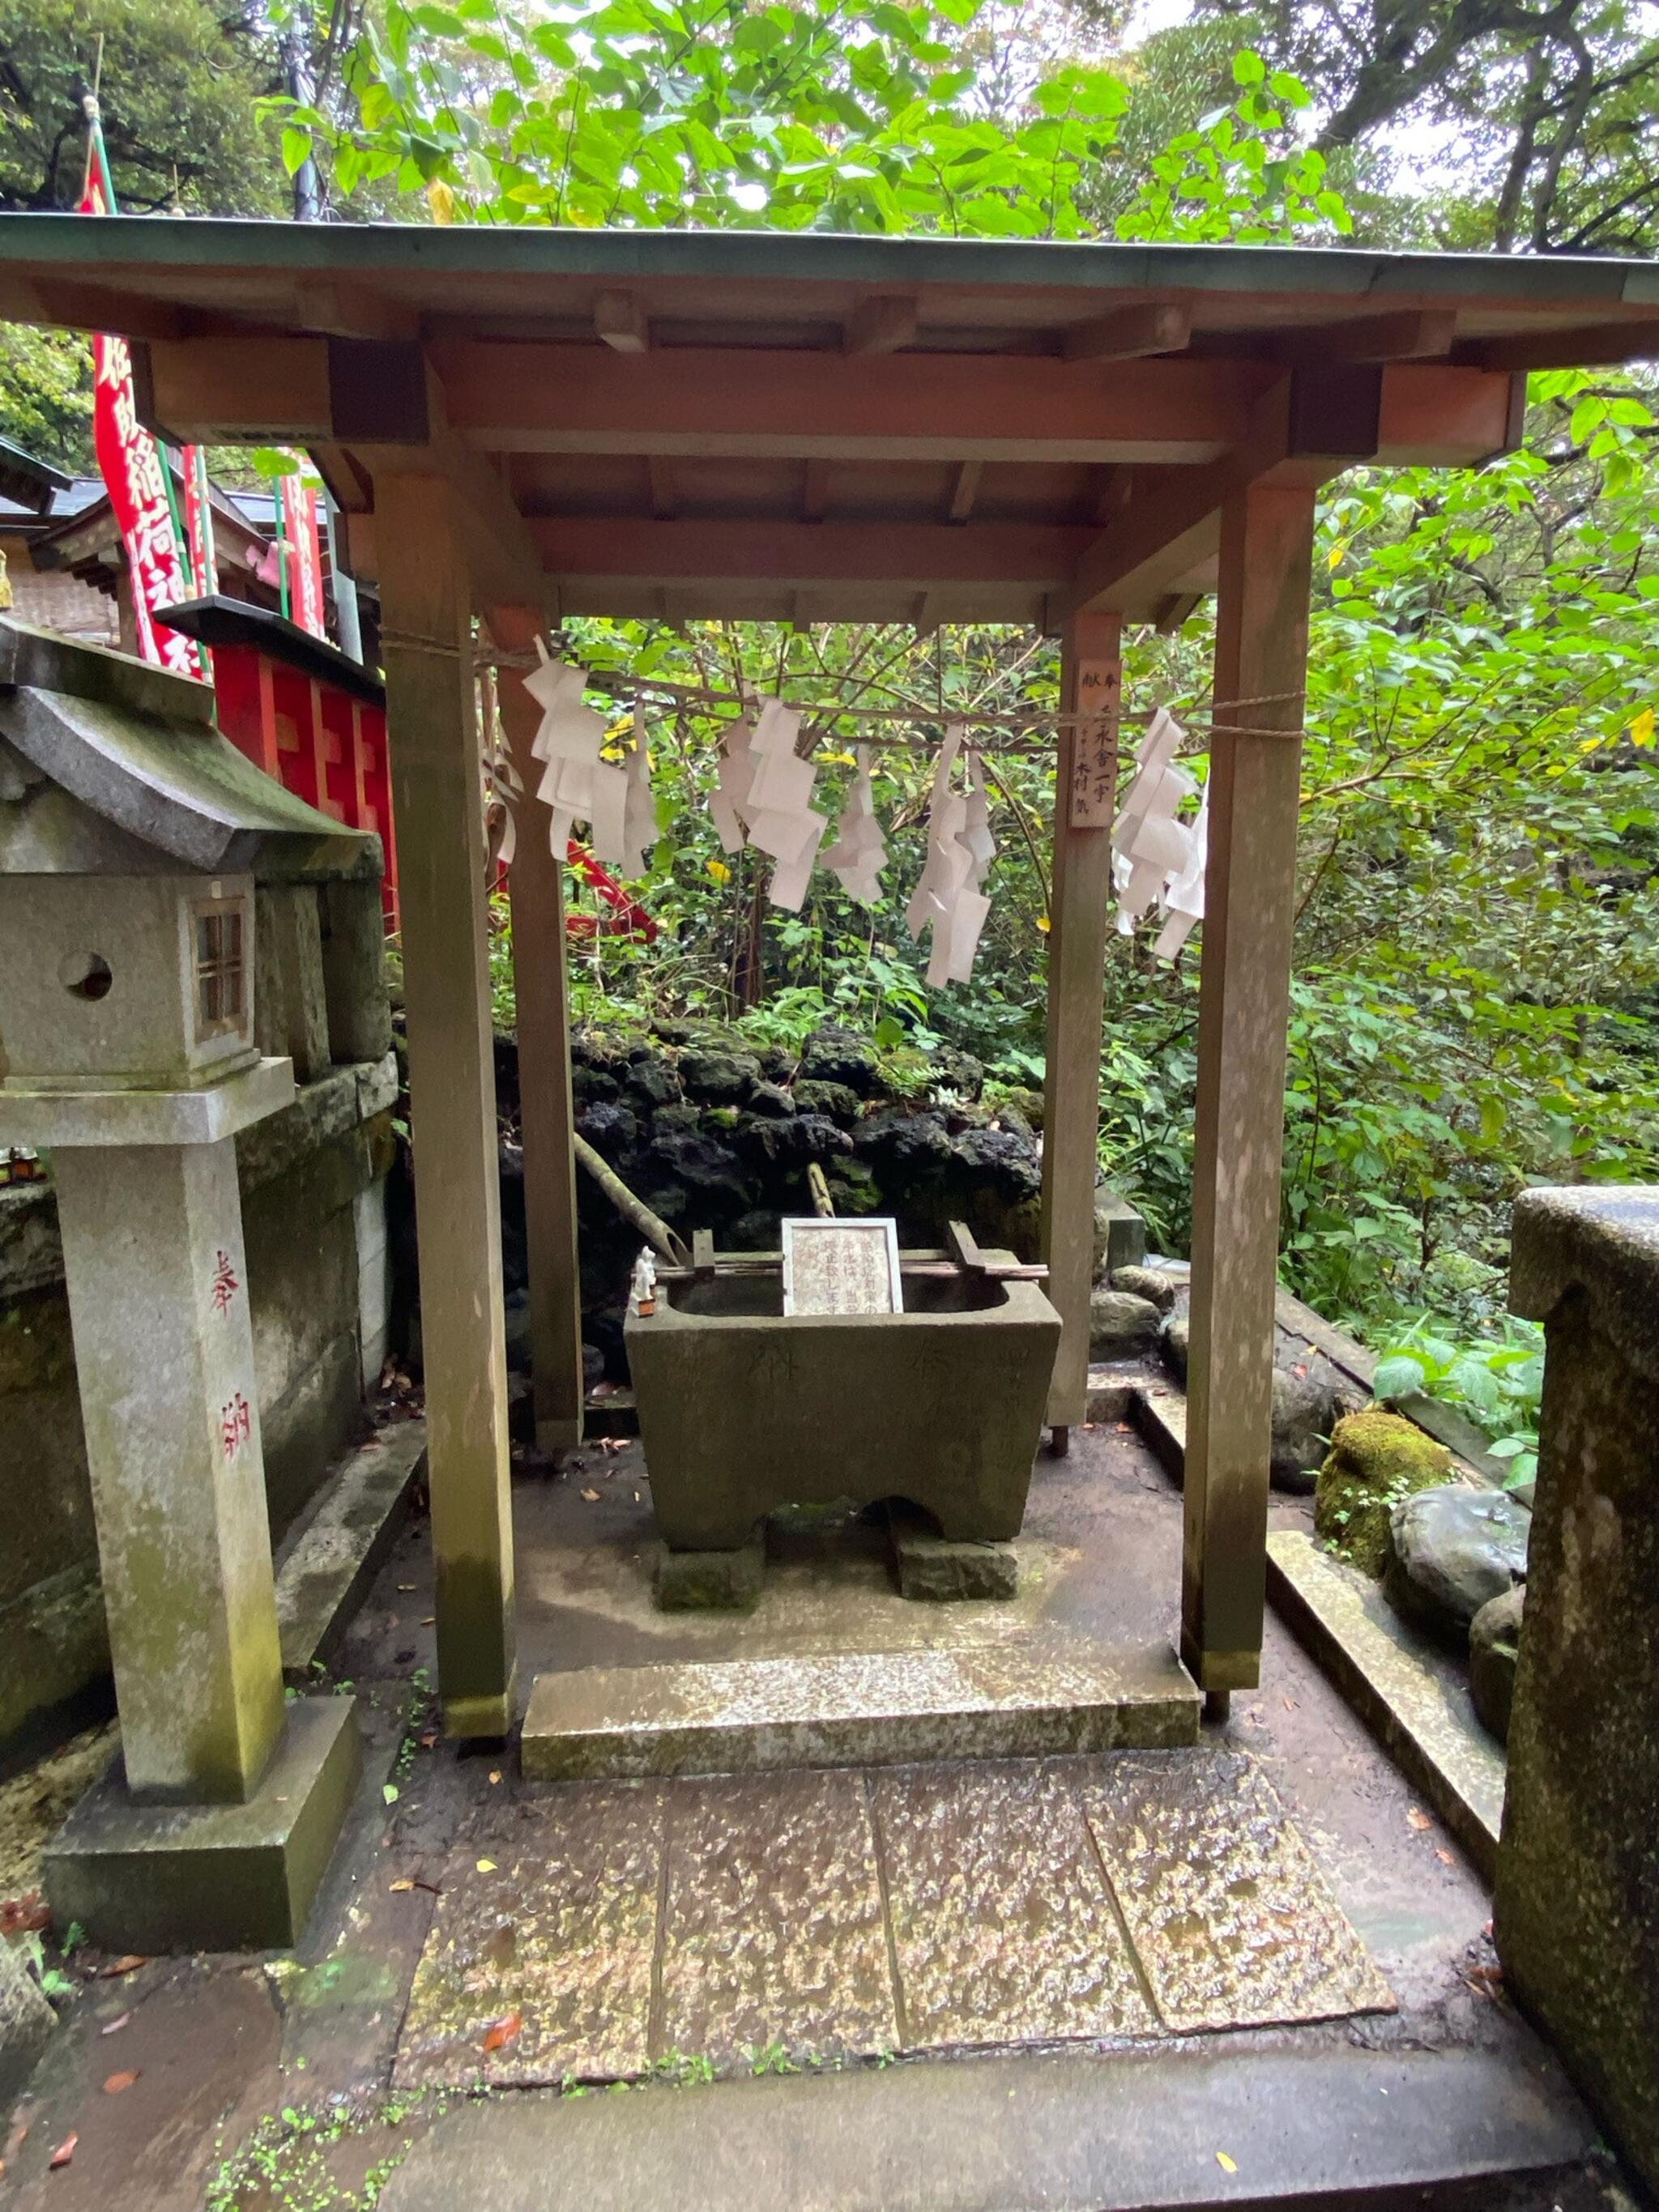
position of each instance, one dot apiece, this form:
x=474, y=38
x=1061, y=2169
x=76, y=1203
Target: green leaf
x=1398, y=1375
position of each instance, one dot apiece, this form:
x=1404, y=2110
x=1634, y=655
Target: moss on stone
x=1376, y=1459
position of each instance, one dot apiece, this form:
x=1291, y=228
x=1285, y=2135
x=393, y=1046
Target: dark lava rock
x=833, y=1054
x=853, y=1188
x=722, y=1078
x=958, y=1071
x=833, y=1100
x=653, y=1081
x=677, y=1117
x=674, y=1032
x=705, y=1165
x=1451, y=1550
x=777, y=1062
x=817, y=1138
x=1146, y=1283
x=594, y=1049
x=1121, y=1327
x=902, y=1141
x=772, y=1100
x=756, y=1230
x=1494, y=1647
x=612, y=1131
x=591, y=1086
x=593, y=1365
x=1007, y=1160
x=1008, y=1116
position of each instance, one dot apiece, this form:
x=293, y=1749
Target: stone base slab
x=935, y=1571
x=330, y=1564
x=711, y=1582
x=155, y=1878
x=63, y=1118
x=877, y=1708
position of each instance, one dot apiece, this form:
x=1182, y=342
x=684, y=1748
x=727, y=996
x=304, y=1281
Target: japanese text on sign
x=1094, y=745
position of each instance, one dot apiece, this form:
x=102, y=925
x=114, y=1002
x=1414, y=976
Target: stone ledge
x=1410, y=1695
x=876, y=1708
x=328, y=1564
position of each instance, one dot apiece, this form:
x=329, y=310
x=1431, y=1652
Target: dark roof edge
x=222, y=621
x=182, y=242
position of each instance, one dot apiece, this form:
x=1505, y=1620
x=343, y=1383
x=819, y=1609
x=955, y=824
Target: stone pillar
x=158, y=1300
x=1577, y=1906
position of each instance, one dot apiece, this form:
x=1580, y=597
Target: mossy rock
x=1376, y=1459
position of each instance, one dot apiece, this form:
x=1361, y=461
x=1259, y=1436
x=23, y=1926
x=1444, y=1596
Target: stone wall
x=314, y=1183
x=714, y=1133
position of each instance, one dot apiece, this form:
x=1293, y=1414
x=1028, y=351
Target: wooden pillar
x=1261, y=646
x=540, y=985
x=438, y=804
x=1084, y=796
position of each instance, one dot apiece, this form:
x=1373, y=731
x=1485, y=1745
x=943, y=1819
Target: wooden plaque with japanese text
x=1094, y=745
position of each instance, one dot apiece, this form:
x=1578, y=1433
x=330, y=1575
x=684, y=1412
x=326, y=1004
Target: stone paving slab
x=548, y=1917
x=836, y=1709
x=1410, y=1695
x=1230, y=1915
x=616, y=1929
x=1004, y=1929
x=774, y=1934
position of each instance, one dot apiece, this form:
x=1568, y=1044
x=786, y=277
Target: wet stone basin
x=743, y=1410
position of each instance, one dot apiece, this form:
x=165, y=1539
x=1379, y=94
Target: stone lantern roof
x=110, y=767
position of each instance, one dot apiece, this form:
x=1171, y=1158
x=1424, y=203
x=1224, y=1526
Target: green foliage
x=46, y=395
x=1499, y=1384
x=833, y=116
x=178, y=88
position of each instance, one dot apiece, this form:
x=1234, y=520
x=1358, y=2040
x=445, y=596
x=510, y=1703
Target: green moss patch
x=1376, y=1459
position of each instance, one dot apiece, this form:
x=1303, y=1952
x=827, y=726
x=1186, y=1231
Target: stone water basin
x=743, y=1410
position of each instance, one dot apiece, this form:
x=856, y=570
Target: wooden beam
x=241, y=391
x=1307, y=430
x=663, y=489
x=814, y=491
x=922, y=554
x=57, y=305
x=1604, y=345
x=965, y=491
x=337, y=308
x=883, y=324
x=1091, y=673
x=1128, y=333
x=620, y=321
x=546, y=1108
x=710, y=401
x=437, y=806
x=1409, y=334
x=1174, y=611
x=1261, y=642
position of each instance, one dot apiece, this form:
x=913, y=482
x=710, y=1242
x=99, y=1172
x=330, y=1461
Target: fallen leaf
x=1446, y=1858
x=114, y=2083
x=591, y=1496
x=406, y=1588
x=486, y=1866
x=427, y=1741
x=14, y=2140
x=128, y=1963
x=24, y=1916
x=64, y=2153
x=1226, y=2164
x=119, y=2022
x=430, y=1618
x=403, y=1883
x=495, y=1773
x=1415, y=1818
x=503, y=2032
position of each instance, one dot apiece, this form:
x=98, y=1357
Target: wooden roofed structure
x=525, y=424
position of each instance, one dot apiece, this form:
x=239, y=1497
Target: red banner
x=131, y=464
x=305, y=559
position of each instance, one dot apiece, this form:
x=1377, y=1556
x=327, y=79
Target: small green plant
x=770, y=2058
x=684, y=2069
x=1499, y=1385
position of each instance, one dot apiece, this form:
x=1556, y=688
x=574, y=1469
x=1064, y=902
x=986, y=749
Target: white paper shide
x=950, y=900
x=1157, y=856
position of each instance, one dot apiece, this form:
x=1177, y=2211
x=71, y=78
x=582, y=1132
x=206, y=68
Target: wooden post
x=536, y=886
x=438, y=803
x=1084, y=795
x=1262, y=648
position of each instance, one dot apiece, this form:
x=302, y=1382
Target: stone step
x=1128, y=2132
x=874, y=1708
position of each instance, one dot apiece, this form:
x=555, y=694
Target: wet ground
x=259, y=2082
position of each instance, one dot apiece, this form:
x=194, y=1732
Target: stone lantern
x=130, y=831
